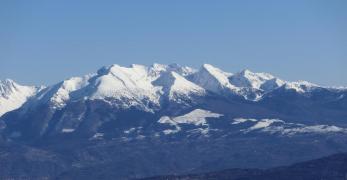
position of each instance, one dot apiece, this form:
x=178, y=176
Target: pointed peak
x=181, y=70
x=13, y=95
x=246, y=71
x=8, y=83
x=249, y=74
x=114, y=68
x=214, y=71
x=156, y=65
x=208, y=66
x=137, y=66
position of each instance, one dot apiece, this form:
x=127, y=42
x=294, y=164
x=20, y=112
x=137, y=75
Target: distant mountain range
x=139, y=121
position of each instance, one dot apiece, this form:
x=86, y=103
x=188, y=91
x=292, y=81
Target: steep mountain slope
x=246, y=78
x=13, y=95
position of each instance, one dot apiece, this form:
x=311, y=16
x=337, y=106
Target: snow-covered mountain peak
x=176, y=86
x=300, y=86
x=13, y=95
x=156, y=70
x=131, y=83
x=182, y=70
x=7, y=82
x=6, y=86
x=132, y=70
x=212, y=79
x=245, y=72
x=215, y=71
x=249, y=79
x=142, y=86
x=60, y=93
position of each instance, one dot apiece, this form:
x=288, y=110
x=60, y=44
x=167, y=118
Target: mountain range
x=141, y=121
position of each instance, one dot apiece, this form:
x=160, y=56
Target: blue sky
x=43, y=42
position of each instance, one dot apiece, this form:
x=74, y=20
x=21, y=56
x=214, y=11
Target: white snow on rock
x=61, y=92
x=315, y=129
x=156, y=70
x=172, y=131
x=264, y=123
x=67, y=130
x=300, y=86
x=246, y=78
x=97, y=136
x=242, y=120
x=126, y=86
x=143, y=87
x=124, y=82
x=213, y=79
x=279, y=126
x=204, y=131
x=13, y=95
x=196, y=117
x=245, y=83
x=177, y=86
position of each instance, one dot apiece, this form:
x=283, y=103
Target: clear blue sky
x=43, y=42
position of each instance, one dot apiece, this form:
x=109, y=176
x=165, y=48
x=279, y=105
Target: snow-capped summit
x=176, y=86
x=138, y=82
x=132, y=86
x=213, y=79
x=57, y=95
x=247, y=84
x=155, y=70
x=300, y=86
x=262, y=81
x=13, y=95
x=129, y=86
x=145, y=86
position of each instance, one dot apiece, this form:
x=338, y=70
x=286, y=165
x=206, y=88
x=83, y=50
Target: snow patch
x=67, y=130
x=176, y=87
x=264, y=123
x=196, y=117
x=249, y=79
x=213, y=79
x=242, y=120
x=279, y=126
x=320, y=129
x=97, y=136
